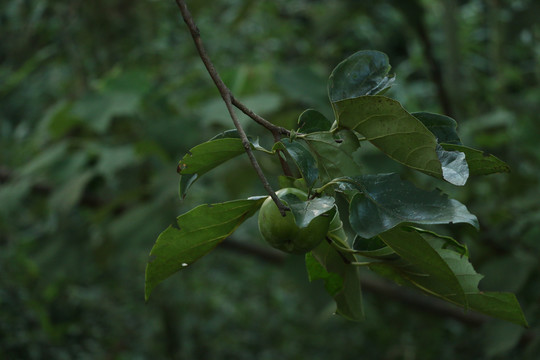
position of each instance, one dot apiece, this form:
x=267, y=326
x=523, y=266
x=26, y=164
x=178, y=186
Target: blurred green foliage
x=101, y=99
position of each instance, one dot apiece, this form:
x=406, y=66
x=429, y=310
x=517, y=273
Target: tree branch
x=228, y=99
x=276, y=130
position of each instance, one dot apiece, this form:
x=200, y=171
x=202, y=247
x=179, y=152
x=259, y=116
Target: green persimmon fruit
x=282, y=233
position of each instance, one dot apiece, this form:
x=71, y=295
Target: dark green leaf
x=349, y=298
x=336, y=231
x=363, y=73
x=313, y=121
x=200, y=230
x=302, y=158
x=480, y=162
x=424, y=266
x=335, y=153
x=384, y=201
x=98, y=109
x=305, y=211
x=372, y=248
x=501, y=337
x=443, y=127
x=401, y=136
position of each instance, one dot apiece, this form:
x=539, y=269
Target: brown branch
x=276, y=130
x=228, y=99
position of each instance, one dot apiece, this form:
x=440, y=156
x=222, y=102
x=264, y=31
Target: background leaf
x=200, y=230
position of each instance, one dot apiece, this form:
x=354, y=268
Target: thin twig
x=276, y=130
x=227, y=98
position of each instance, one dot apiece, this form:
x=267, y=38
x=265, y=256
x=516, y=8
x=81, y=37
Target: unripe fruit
x=282, y=232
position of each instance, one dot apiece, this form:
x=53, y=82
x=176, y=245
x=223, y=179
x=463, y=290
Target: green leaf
x=336, y=231
x=400, y=135
x=454, y=166
x=98, y=109
x=480, y=162
x=423, y=268
x=313, y=121
x=443, y=127
x=333, y=283
x=200, y=230
x=67, y=196
x=384, y=201
x=208, y=155
x=363, y=73
x=499, y=305
x=500, y=337
x=335, y=153
x=349, y=297
x=373, y=248
x=305, y=211
x=302, y=158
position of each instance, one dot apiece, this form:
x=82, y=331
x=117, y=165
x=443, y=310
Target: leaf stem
x=363, y=263
x=335, y=182
x=229, y=99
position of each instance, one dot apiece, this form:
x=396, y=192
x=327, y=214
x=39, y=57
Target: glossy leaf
x=349, y=298
x=199, y=231
x=365, y=72
x=401, y=136
x=454, y=166
x=305, y=211
x=313, y=121
x=384, y=201
x=335, y=153
x=443, y=127
x=302, y=158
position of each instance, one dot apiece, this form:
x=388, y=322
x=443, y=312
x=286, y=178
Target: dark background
x=100, y=100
